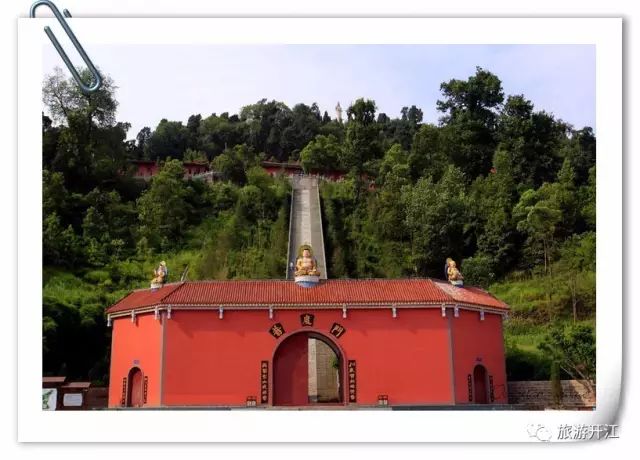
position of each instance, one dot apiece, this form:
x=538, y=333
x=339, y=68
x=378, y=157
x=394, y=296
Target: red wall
x=139, y=345
x=212, y=361
x=406, y=358
x=478, y=342
x=146, y=169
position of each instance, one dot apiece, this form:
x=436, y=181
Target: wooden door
x=135, y=388
x=480, y=385
x=291, y=372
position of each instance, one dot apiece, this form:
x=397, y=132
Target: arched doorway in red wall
x=480, y=385
x=307, y=369
x=135, y=391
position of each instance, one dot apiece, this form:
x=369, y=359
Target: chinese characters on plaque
x=306, y=319
x=123, y=400
x=470, y=387
x=276, y=330
x=337, y=330
x=351, y=369
x=264, y=382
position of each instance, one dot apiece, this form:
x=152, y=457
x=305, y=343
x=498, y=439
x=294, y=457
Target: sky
x=175, y=81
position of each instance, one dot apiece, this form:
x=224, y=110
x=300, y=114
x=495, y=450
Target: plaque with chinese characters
x=123, y=400
x=264, y=382
x=337, y=330
x=351, y=369
x=306, y=319
x=277, y=330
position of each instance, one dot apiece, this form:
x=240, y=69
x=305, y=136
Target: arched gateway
x=307, y=369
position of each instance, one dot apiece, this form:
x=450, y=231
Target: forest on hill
x=506, y=190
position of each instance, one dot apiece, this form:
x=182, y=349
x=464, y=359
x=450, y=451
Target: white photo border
x=316, y=426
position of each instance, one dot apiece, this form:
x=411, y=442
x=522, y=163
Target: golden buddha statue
x=453, y=274
x=306, y=264
x=159, y=274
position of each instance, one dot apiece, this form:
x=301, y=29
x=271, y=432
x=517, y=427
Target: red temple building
x=228, y=343
x=307, y=340
x=274, y=168
x=145, y=169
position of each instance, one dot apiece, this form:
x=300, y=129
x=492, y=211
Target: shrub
x=478, y=270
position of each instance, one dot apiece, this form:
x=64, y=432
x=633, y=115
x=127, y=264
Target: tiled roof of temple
x=282, y=293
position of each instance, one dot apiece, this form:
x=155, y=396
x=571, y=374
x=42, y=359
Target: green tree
x=60, y=245
x=163, y=209
x=169, y=139
x=304, y=126
x=469, y=121
x=88, y=146
x=394, y=156
x=54, y=193
x=587, y=195
x=385, y=216
x=107, y=226
x=427, y=157
x=573, y=348
x=142, y=143
x=577, y=255
x=230, y=164
x=193, y=129
x=219, y=133
x=64, y=100
x=321, y=154
x=223, y=196
x=265, y=123
x=532, y=140
x=581, y=152
x=361, y=144
x=478, y=270
x=538, y=218
x=195, y=156
x=491, y=201
x=436, y=216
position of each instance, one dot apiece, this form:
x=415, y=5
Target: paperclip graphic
x=97, y=79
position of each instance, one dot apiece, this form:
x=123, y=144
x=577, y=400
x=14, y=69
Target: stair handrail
x=293, y=194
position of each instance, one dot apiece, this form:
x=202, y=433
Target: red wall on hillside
x=478, y=342
x=136, y=344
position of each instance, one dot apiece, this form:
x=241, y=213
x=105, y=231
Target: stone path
x=306, y=222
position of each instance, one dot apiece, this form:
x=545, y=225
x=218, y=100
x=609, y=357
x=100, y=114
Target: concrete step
x=306, y=222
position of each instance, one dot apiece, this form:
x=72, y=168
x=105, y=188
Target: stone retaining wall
x=539, y=395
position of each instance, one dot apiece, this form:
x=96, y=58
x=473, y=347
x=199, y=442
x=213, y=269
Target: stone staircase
x=305, y=226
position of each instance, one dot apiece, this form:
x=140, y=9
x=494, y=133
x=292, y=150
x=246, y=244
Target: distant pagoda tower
x=339, y=113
